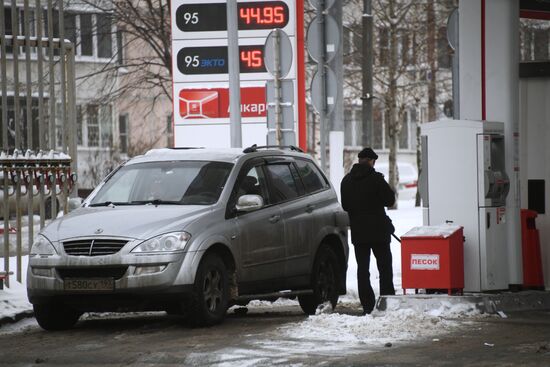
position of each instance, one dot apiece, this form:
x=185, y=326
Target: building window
x=79, y=117
x=86, y=35
x=404, y=49
x=7, y=27
x=104, y=36
x=91, y=33
x=21, y=27
x=540, y=43
x=70, y=27
x=123, y=132
x=120, y=46
x=535, y=40
x=22, y=121
x=106, y=125
x=92, y=125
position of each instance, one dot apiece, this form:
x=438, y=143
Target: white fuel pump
x=463, y=180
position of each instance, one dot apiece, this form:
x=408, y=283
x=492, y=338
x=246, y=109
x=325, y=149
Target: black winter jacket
x=364, y=194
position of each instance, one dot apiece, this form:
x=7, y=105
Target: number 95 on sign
x=214, y=60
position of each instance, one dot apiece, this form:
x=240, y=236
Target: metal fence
x=38, y=114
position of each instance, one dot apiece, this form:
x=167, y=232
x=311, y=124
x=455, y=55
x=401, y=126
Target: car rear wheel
x=55, y=316
x=209, y=300
x=324, y=282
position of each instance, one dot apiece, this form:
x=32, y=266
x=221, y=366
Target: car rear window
x=282, y=182
x=312, y=178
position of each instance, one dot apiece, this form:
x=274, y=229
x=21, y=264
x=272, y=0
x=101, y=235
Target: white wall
x=498, y=80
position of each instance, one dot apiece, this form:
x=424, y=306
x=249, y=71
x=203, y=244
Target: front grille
x=115, y=272
x=93, y=247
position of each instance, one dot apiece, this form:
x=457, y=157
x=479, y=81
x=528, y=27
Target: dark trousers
x=382, y=253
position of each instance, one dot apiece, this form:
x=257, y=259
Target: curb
x=17, y=317
x=485, y=303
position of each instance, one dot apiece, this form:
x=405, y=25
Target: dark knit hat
x=367, y=153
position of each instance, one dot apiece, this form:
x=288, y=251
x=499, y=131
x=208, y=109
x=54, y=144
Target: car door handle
x=310, y=208
x=274, y=219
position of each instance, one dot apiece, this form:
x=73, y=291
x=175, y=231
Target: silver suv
x=194, y=231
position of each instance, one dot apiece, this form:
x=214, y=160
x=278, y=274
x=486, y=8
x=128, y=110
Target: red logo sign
x=214, y=103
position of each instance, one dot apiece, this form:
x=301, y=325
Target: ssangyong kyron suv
x=194, y=231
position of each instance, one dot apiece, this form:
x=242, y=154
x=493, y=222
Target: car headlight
x=168, y=242
x=42, y=247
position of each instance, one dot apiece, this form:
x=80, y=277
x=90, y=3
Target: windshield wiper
x=107, y=203
x=155, y=202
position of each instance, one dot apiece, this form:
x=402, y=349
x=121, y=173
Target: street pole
x=366, y=139
x=322, y=74
x=277, y=83
x=234, y=75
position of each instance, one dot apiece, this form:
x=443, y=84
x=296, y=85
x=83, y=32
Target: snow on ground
x=382, y=326
x=324, y=332
x=13, y=300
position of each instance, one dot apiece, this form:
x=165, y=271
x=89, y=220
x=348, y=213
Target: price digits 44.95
x=212, y=17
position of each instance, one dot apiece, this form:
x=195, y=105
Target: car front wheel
x=324, y=282
x=209, y=300
x=55, y=316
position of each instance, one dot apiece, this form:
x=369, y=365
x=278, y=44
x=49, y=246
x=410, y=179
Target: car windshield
x=176, y=183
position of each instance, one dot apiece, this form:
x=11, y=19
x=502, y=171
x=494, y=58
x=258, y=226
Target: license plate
x=89, y=285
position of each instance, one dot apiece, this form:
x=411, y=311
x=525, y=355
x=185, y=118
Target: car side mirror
x=249, y=203
x=75, y=203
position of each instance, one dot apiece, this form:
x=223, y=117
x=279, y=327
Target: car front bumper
x=138, y=281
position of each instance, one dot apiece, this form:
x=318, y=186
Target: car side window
x=282, y=184
x=312, y=178
x=253, y=183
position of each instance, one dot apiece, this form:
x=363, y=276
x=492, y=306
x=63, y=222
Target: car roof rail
x=185, y=148
x=254, y=148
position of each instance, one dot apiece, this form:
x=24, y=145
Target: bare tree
x=142, y=61
x=405, y=65
x=138, y=75
x=400, y=21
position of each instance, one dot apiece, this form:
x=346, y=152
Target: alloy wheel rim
x=212, y=290
x=326, y=281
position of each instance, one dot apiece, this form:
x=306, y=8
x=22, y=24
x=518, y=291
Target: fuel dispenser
x=463, y=181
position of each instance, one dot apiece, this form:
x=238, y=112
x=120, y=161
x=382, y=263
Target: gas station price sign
x=200, y=63
x=251, y=16
x=214, y=60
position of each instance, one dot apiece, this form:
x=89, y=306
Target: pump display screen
x=212, y=16
x=214, y=60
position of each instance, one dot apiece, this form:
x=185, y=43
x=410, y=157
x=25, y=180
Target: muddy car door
x=288, y=192
x=259, y=233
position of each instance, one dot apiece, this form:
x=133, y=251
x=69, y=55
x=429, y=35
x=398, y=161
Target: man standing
x=364, y=194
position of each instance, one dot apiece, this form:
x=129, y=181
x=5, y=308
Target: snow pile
x=13, y=300
x=381, y=326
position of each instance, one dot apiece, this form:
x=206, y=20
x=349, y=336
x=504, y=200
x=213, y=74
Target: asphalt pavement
x=520, y=339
